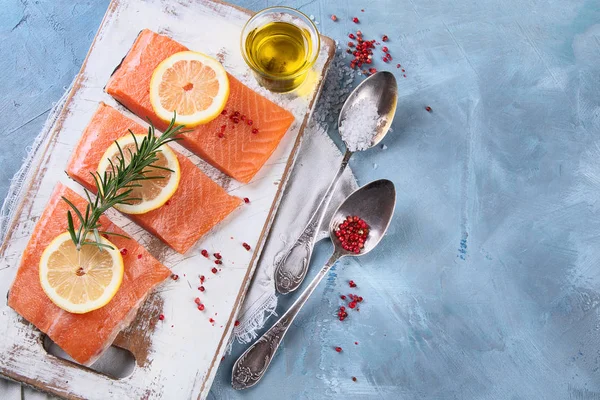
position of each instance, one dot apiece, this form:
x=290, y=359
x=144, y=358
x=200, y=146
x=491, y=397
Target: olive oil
x=280, y=52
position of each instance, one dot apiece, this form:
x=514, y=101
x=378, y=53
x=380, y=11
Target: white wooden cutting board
x=176, y=358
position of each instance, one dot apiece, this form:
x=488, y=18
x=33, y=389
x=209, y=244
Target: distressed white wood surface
x=185, y=349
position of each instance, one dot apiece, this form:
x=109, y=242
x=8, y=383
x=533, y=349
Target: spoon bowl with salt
x=364, y=120
x=367, y=114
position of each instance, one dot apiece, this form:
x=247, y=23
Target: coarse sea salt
x=338, y=84
x=358, y=129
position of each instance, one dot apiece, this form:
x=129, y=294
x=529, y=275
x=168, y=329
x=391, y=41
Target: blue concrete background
x=488, y=284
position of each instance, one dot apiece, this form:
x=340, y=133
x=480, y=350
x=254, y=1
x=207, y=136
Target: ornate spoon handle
x=291, y=269
x=251, y=366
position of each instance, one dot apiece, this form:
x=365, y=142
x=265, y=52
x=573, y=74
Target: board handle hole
x=115, y=362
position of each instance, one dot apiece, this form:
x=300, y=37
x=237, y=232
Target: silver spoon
x=380, y=88
x=375, y=204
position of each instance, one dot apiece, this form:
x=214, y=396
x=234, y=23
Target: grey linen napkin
x=316, y=165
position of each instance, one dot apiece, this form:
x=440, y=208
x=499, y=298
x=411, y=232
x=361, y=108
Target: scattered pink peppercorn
x=214, y=270
x=384, y=38
x=224, y=112
x=255, y=131
x=201, y=307
x=355, y=20
x=354, y=378
x=246, y=246
x=217, y=256
x=246, y=200
x=338, y=349
x=201, y=288
x=123, y=252
x=236, y=323
x=139, y=256
x=385, y=49
x=343, y=297
x=398, y=65
x=218, y=262
x=212, y=321
x=204, y=253
x=355, y=342
x=202, y=278
x=175, y=277
x=342, y=314
x=161, y=317
x=352, y=233
x=428, y=109
x=352, y=284
x=334, y=17
x=197, y=300
x=351, y=36
x=352, y=304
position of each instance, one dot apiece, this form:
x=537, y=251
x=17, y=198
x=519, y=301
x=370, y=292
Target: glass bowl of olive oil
x=280, y=45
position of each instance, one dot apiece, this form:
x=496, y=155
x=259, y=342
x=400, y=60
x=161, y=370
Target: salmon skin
x=82, y=336
x=231, y=147
x=197, y=205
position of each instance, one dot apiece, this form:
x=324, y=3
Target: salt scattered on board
x=336, y=88
x=358, y=129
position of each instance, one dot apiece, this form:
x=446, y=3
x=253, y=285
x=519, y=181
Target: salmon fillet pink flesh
x=238, y=142
x=82, y=336
x=197, y=205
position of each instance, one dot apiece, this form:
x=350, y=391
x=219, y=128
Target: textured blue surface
x=488, y=284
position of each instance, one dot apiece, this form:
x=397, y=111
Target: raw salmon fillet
x=197, y=205
x=82, y=336
x=240, y=153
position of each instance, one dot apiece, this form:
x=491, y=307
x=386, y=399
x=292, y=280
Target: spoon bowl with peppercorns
x=356, y=228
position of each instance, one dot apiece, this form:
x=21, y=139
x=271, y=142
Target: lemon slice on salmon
x=148, y=194
x=80, y=281
x=193, y=85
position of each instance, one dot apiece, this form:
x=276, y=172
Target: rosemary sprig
x=115, y=186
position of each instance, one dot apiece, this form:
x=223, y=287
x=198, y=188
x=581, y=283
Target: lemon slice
x=151, y=193
x=192, y=84
x=80, y=281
